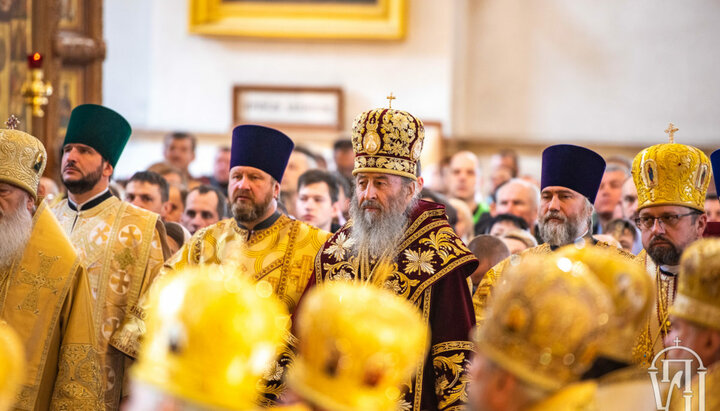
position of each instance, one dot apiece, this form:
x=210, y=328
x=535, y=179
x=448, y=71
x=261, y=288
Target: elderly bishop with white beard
x=403, y=244
x=571, y=177
x=44, y=291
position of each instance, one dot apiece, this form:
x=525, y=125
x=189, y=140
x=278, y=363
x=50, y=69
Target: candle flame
x=36, y=56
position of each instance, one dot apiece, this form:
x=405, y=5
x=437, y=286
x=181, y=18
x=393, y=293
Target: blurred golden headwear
x=357, y=345
x=387, y=141
x=630, y=289
x=211, y=335
x=22, y=158
x=698, y=294
x=671, y=174
x=546, y=320
x=12, y=365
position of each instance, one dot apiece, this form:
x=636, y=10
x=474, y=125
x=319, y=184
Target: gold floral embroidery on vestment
x=79, y=377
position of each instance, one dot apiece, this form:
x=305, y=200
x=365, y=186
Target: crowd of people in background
x=524, y=293
x=317, y=191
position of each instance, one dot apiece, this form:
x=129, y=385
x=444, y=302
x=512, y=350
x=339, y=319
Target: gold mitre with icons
x=671, y=174
x=22, y=158
x=211, y=336
x=630, y=289
x=698, y=294
x=12, y=365
x=357, y=346
x=546, y=320
x=387, y=141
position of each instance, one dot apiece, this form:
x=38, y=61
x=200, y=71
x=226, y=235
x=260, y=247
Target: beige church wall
x=163, y=78
x=495, y=73
x=599, y=73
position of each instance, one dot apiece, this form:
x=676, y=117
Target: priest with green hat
x=122, y=246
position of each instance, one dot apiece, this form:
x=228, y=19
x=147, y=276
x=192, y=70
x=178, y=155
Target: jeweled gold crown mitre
x=387, y=141
x=545, y=321
x=211, y=336
x=357, y=346
x=671, y=174
x=22, y=158
x=698, y=295
x=630, y=289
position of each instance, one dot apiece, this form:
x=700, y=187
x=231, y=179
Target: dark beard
x=249, y=213
x=663, y=254
x=85, y=184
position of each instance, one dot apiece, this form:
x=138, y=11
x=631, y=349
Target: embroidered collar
x=263, y=224
x=97, y=200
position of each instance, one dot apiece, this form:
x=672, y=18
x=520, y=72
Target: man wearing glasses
x=671, y=181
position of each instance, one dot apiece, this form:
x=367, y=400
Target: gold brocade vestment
x=429, y=267
x=122, y=247
x=279, y=253
x=45, y=297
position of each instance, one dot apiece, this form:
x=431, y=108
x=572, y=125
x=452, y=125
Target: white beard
x=380, y=233
x=16, y=229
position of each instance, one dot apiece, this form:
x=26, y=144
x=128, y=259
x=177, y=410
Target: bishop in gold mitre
x=542, y=332
x=622, y=385
x=122, y=246
x=44, y=291
x=695, y=317
x=258, y=242
x=571, y=177
x=671, y=180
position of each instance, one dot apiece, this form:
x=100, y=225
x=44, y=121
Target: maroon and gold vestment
x=429, y=267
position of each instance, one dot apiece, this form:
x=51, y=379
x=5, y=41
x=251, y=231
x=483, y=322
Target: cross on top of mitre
x=671, y=132
x=390, y=99
x=12, y=122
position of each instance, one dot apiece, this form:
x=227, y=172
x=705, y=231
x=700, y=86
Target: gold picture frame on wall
x=300, y=19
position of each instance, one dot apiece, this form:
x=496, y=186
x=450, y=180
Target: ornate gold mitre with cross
x=22, y=158
x=698, y=295
x=671, y=174
x=387, y=141
x=546, y=320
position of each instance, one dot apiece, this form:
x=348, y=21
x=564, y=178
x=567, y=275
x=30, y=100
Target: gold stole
x=122, y=251
x=651, y=340
x=48, y=304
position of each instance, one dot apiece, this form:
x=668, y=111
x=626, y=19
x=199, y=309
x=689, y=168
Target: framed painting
x=300, y=19
x=308, y=108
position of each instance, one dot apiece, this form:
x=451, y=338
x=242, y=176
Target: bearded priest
x=401, y=243
x=122, y=246
x=44, y=292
